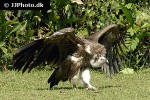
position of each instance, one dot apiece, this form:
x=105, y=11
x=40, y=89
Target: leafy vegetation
x=15, y=86
x=21, y=26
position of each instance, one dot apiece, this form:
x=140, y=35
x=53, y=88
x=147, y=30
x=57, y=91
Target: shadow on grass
x=59, y=88
x=109, y=86
x=71, y=88
x=40, y=89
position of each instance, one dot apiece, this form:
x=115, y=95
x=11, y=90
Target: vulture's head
x=98, y=61
x=96, y=54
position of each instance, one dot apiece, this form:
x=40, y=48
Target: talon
x=91, y=88
x=74, y=88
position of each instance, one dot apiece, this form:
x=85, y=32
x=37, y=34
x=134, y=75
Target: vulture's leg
x=85, y=76
x=74, y=80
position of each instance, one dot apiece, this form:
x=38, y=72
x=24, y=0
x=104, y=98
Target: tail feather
x=61, y=73
x=54, y=80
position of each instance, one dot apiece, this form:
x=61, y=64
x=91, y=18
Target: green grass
x=34, y=86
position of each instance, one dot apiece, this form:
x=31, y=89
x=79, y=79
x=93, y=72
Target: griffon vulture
x=73, y=55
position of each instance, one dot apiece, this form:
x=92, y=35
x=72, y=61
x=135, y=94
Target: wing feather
x=115, y=60
x=113, y=40
x=118, y=57
x=53, y=49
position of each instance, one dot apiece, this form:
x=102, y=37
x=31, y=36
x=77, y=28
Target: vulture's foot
x=90, y=87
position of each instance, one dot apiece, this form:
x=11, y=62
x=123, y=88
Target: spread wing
x=53, y=49
x=113, y=40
